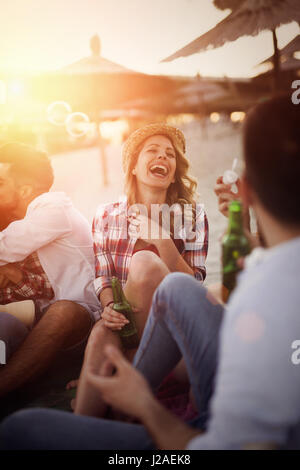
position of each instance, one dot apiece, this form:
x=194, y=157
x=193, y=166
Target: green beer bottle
x=128, y=334
x=235, y=245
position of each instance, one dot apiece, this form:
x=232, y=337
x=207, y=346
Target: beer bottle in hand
x=235, y=245
x=128, y=333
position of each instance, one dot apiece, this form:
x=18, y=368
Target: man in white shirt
x=46, y=255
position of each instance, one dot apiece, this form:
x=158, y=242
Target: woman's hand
x=139, y=226
x=113, y=320
x=149, y=230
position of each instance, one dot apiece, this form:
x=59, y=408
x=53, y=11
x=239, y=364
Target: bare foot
x=72, y=385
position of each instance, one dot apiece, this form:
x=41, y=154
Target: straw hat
x=138, y=136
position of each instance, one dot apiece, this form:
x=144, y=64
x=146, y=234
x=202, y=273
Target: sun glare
x=215, y=117
x=16, y=88
x=237, y=116
x=114, y=130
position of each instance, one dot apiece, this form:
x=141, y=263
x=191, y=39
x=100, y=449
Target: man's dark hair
x=272, y=157
x=28, y=164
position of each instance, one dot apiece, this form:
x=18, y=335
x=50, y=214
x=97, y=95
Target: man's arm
x=136, y=399
x=40, y=227
x=167, y=431
x=9, y=274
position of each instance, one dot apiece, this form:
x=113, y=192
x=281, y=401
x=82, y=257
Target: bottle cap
x=230, y=177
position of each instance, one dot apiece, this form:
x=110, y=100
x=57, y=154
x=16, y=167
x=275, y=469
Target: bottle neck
x=121, y=293
x=235, y=223
x=116, y=290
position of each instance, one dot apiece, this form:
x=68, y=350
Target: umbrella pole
x=276, y=62
x=102, y=156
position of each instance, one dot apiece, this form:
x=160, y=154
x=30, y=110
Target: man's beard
x=8, y=214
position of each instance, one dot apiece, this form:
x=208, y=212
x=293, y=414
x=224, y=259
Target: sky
x=47, y=35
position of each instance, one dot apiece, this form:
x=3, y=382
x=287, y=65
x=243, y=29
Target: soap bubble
x=77, y=124
x=58, y=112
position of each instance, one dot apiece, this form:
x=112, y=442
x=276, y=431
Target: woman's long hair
x=182, y=191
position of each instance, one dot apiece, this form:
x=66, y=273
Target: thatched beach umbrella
x=203, y=96
x=287, y=51
x=248, y=18
x=291, y=64
x=289, y=69
x=95, y=84
x=92, y=79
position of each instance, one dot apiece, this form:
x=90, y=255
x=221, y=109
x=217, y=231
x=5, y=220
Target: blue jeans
x=183, y=322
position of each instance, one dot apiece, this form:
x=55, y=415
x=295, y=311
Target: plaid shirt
x=114, y=247
x=34, y=285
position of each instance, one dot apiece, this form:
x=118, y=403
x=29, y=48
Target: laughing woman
x=156, y=176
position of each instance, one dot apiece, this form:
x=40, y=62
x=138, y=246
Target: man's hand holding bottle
x=225, y=195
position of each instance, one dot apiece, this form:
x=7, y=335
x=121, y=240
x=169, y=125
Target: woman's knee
x=147, y=268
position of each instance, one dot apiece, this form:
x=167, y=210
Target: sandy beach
x=211, y=151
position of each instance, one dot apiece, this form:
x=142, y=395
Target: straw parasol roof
x=202, y=90
x=287, y=51
x=225, y=4
x=292, y=47
x=95, y=63
x=252, y=17
x=291, y=64
x=287, y=64
x=202, y=96
x=94, y=83
x=248, y=19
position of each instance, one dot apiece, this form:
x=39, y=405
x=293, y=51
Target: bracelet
x=109, y=303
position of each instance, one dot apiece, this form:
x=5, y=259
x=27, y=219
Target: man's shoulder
x=50, y=199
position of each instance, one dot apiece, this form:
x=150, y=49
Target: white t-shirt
x=257, y=395
x=62, y=238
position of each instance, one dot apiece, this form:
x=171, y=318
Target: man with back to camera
x=254, y=400
x=46, y=255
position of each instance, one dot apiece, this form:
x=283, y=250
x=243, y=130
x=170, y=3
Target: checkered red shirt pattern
x=113, y=247
x=34, y=285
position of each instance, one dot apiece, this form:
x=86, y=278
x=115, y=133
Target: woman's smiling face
x=156, y=163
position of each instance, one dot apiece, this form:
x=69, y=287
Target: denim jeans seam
x=179, y=330
x=192, y=363
x=148, y=339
